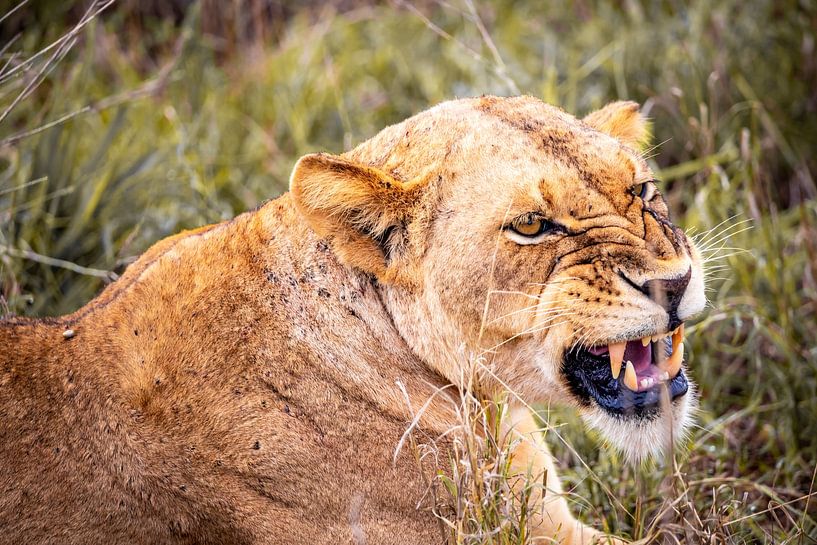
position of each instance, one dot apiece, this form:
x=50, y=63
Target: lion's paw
x=589, y=536
x=603, y=539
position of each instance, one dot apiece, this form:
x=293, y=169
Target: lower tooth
x=630, y=377
x=675, y=360
x=646, y=382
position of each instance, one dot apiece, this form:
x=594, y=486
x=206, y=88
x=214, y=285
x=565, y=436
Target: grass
x=124, y=138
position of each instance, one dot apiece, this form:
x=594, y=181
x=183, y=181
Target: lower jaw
x=590, y=380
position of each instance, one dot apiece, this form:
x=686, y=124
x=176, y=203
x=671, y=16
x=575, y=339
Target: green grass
x=165, y=132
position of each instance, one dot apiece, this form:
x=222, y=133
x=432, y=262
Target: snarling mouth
x=626, y=378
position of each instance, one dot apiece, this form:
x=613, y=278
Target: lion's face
x=514, y=238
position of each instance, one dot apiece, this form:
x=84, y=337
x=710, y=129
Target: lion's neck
x=439, y=343
x=342, y=319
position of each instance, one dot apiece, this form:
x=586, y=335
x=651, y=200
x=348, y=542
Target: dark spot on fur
x=257, y=445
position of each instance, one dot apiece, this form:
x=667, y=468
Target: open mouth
x=626, y=378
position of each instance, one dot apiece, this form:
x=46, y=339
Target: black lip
x=591, y=380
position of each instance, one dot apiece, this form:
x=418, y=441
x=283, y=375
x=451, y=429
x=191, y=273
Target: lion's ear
x=363, y=211
x=623, y=121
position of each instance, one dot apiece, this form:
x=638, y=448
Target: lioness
x=248, y=382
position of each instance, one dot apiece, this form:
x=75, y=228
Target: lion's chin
x=648, y=436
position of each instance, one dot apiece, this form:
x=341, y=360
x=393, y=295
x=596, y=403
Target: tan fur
x=242, y=383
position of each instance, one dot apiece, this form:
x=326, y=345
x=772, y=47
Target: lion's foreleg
x=549, y=519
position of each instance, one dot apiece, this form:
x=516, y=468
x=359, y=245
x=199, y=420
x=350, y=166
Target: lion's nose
x=667, y=292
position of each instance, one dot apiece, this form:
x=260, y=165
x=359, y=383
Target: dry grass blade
x=61, y=263
x=11, y=12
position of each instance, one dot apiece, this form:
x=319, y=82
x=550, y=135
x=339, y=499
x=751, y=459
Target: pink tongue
x=640, y=355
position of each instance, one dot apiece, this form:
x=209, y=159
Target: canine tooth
x=616, y=356
x=678, y=335
x=674, y=361
x=645, y=341
x=630, y=378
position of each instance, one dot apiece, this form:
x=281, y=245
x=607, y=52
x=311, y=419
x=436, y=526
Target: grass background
x=152, y=117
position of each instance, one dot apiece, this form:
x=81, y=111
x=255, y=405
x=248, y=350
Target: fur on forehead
x=429, y=139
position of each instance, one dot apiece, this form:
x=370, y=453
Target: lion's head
x=506, y=232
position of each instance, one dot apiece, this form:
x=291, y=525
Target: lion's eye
x=530, y=228
x=530, y=225
x=644, y=190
